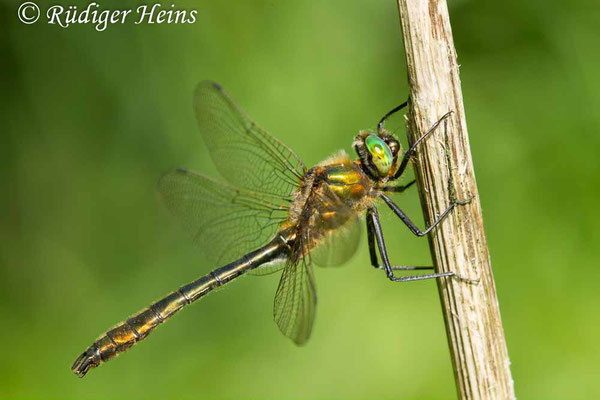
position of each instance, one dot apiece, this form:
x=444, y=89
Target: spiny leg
x=381, y=244
x=371, y=239
x=453, y=201
x=399, y=188
x=390, y=113
x=411, y=225
x=373, y=251
x=389, y=270
x=405, y=267
x=413, y=147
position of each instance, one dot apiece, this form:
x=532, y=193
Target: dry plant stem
x=471, y=313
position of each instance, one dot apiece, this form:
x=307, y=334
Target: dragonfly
x=273, y=214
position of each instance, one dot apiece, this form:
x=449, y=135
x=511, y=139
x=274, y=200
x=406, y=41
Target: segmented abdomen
x=136, y=328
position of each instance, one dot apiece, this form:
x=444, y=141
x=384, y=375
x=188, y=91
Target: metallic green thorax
x=346, y=181
x=380, y=153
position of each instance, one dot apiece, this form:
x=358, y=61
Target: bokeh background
x=91, y=119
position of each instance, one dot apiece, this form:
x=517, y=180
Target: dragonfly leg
x=413, y=147
x=398, y=189
x=411, y=225
x=371, y=238
x=390, y=113
x=405, y=267
x=373, y=250
x=389, y=269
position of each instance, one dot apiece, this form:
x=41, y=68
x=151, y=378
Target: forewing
x=295, y=302
x=245, y=154
x=225, y=222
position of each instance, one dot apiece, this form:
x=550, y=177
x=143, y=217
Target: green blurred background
x=91, y=119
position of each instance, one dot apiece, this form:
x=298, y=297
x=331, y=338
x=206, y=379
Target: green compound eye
x=380, y=153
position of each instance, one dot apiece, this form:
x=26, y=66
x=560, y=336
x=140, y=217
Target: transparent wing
x=295, y=302
x=225, y=222
x=339, y=245
x=245, y=154
x=269, y=268
x=333, y=231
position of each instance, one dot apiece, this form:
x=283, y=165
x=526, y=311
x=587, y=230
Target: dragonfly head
x=378, y=154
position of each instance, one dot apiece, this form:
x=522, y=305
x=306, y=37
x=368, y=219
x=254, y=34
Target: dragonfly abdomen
x=129, y=332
